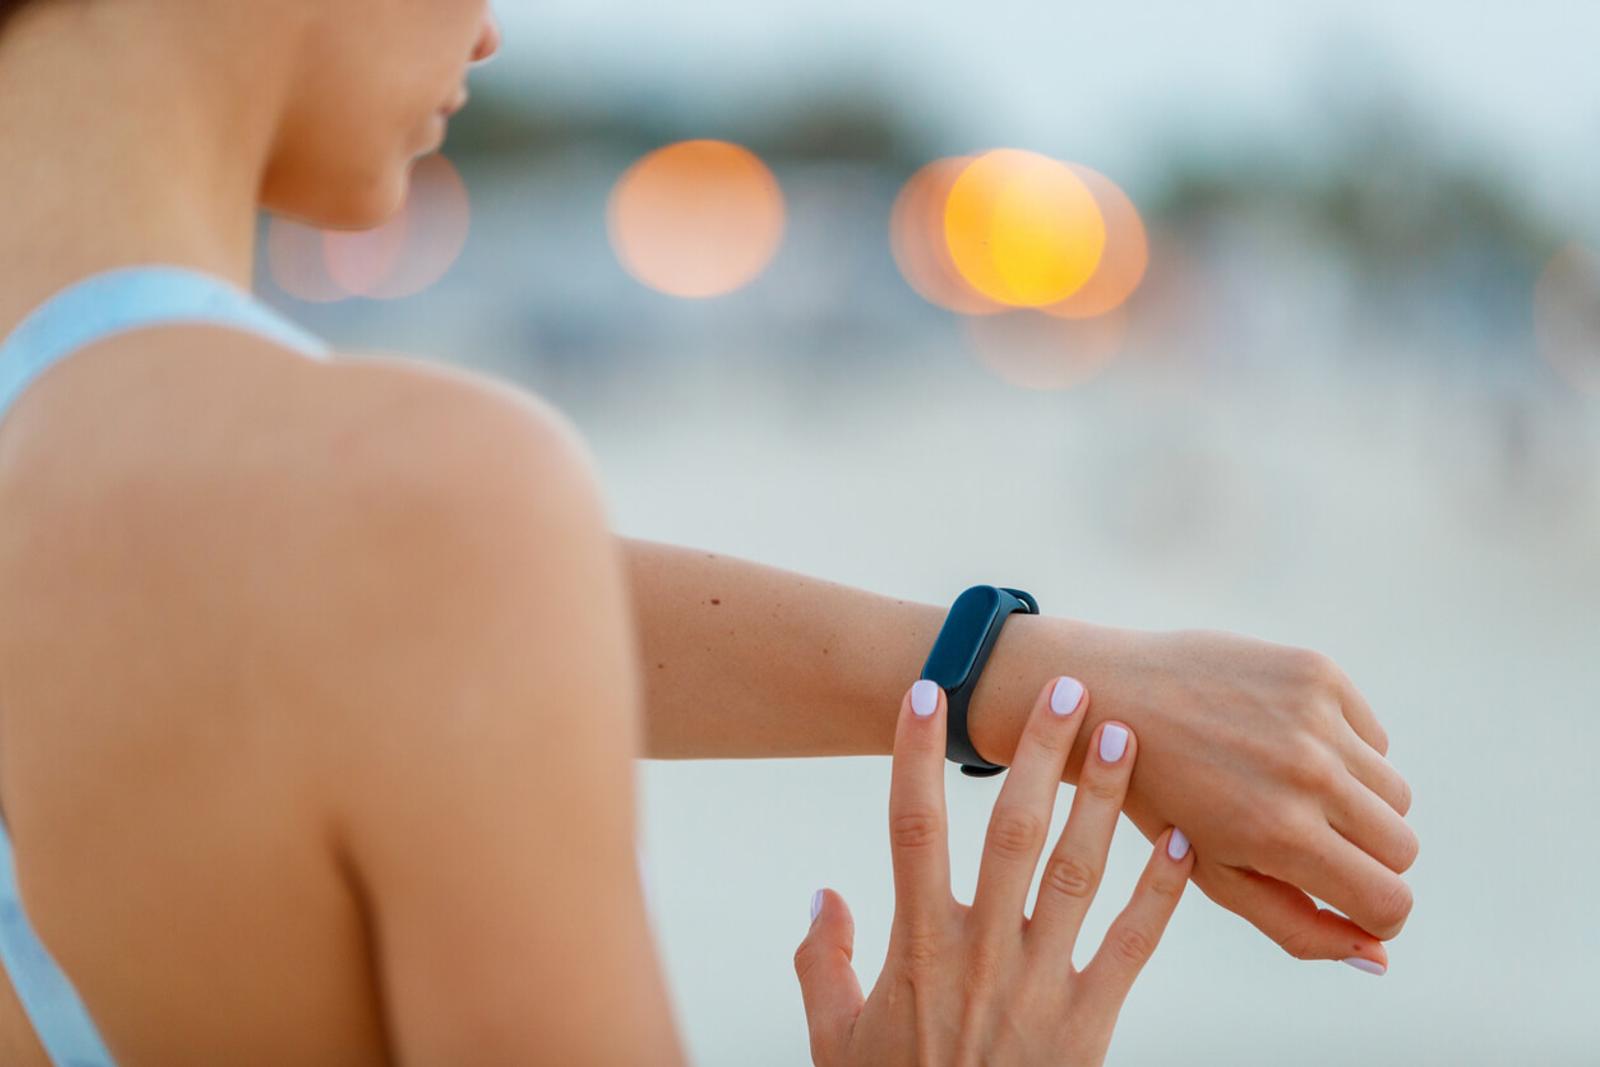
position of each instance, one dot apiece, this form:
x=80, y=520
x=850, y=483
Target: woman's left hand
x=1266, y=754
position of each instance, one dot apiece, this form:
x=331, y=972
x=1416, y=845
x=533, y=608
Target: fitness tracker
x=956, y=662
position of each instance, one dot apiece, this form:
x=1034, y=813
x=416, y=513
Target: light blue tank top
x=90, y=310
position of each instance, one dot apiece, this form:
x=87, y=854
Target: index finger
x=918, y=834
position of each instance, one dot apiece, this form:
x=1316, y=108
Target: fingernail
x=1177, y=844
x=925, y=697
x=816, y=905
x=1366, y=965
x=1065, y=696
x=1113, y=742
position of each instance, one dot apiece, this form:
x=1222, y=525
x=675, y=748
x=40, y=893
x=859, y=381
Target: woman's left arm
x=1266, y=754
x=742, y=660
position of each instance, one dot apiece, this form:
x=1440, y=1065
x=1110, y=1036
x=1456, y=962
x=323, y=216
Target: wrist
x=1032, y=649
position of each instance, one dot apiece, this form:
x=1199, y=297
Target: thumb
x=828, y=983
x=1284, y=913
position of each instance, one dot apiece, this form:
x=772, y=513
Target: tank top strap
x=130, y=298
x=60, y=1022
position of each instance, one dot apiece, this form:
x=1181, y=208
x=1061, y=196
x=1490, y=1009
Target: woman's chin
x=354, y=208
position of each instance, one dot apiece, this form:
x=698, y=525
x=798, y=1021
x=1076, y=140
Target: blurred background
x=1274, y=318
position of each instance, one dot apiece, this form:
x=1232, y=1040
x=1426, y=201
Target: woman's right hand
x=986, y=984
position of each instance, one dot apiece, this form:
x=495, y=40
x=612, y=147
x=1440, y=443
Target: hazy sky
x=1520, y=79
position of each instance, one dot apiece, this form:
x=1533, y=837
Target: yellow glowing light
x=1126, y=257
x=696, y=219
x=916, y=238
x=1023, y=229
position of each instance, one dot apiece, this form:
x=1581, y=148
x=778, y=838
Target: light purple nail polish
x=1177, y=844
x=816, y=904
x=1366, y=965
x=1113, y=742
x=1065, y=696
x=924, y=697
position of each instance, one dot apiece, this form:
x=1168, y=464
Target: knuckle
x=1403, y=794
x=1132, y=945
x=1302, y=760
x=1282, y=833
x=1069, y=876
x=915, y=830
x=1316, y=670
x=805, y=958
x=1167, y=886
x=1316, y=770
x=1103, y=783
x=1015, y=833
x=984, y=969
x=920, y=951
x=1051, y=733
x=1391, y=908
x=1298, y=943
x=1409, y=847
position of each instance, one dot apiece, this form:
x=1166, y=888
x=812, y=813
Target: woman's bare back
x=171, y=840
x=285, y=646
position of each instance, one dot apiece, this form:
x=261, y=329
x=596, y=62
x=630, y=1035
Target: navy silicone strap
x=956, y=662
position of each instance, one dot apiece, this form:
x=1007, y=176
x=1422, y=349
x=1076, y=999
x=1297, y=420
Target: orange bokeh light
x=416, y=247
x=696, y=219
x=916, y=238
x=297, y=265
x=1127, y=252
x=1022, y=228
x=402, y=257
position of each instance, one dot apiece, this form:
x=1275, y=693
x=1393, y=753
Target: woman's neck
x=127, y=137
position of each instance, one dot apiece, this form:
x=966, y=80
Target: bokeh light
x=359, y=260
x=297, y=263
x=1126, y=257
x=1033, y=350
x=416, y=247
x=1566, y=316
x=405, y=256
x=1023, y=229
x=917, y=240
x=696, y=219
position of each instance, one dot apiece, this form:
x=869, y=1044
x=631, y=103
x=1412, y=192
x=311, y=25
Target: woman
x=322, y=678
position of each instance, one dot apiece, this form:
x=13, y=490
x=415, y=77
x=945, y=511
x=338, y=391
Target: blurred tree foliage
x=839, y=123
x=1431, y=231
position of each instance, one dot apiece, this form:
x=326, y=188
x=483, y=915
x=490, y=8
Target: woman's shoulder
x=248, y=488
x=178, y=410
x=428, y=418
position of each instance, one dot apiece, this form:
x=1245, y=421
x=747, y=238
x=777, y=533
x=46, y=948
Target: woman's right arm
x=482, y=726
x=986, y=983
